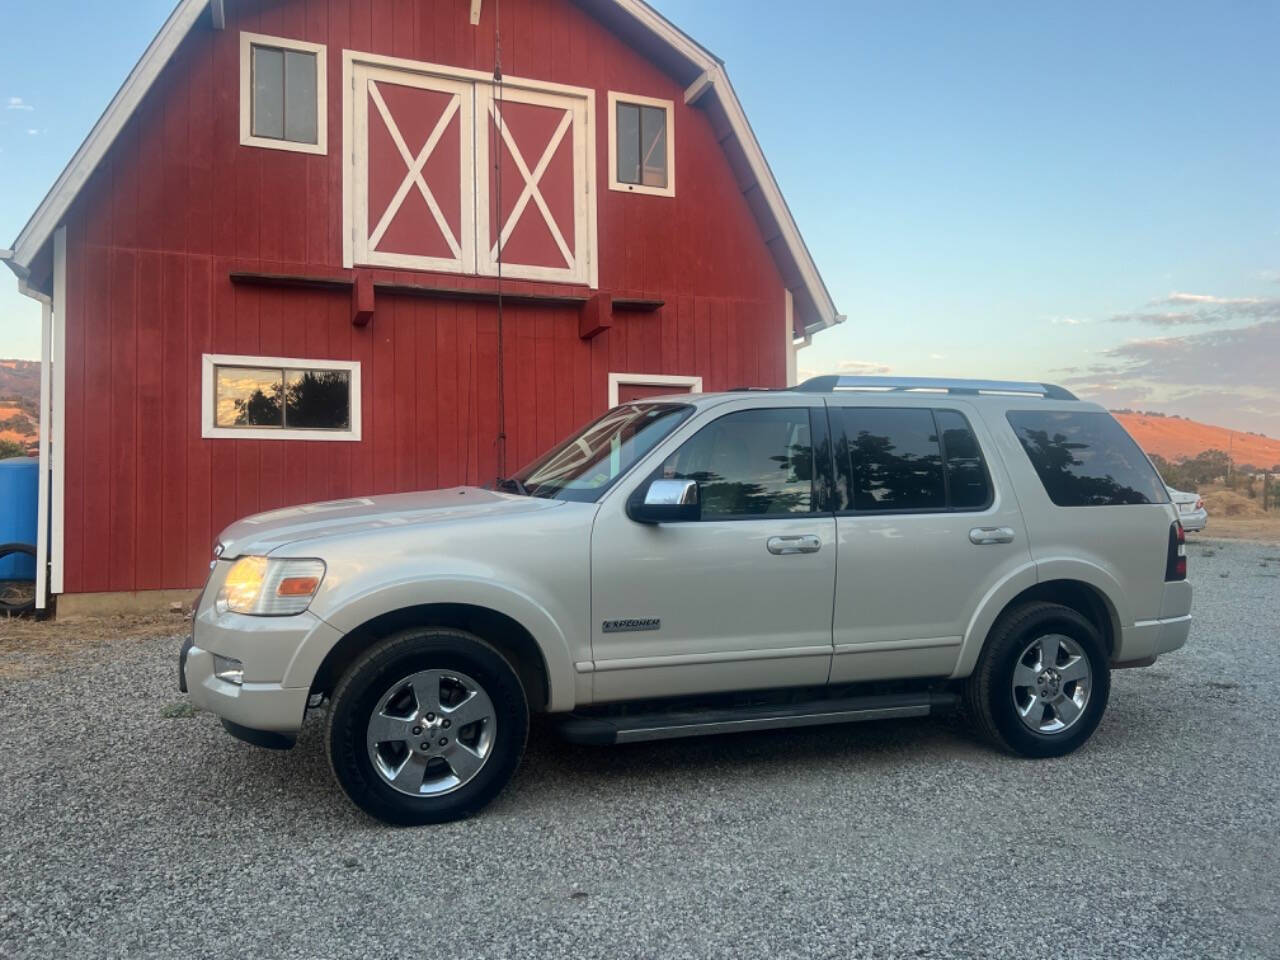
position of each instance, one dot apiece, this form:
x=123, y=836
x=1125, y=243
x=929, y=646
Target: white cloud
x=863, y=368
x=1204, y=309
x=1198, y=298
x=1067, y=321
x=17, y=103
x=937, y=356
x=32, y=132
x=1219, y=376
x=854, y=368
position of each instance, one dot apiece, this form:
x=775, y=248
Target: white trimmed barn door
x=414, y=171
x=546, y=212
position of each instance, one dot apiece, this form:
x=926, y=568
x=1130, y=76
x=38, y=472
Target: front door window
x=755, y=463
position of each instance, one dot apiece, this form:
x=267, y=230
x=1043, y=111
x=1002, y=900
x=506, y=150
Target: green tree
x=1207, y=467
x=9, y=448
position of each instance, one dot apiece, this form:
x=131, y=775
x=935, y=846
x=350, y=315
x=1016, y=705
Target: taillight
x=1175, y=567
x=1199, y=503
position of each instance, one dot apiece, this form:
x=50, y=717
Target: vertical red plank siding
x=199, y=472
x=77, y=471
x=122, y=422
x=149, y=420
x=178, y=204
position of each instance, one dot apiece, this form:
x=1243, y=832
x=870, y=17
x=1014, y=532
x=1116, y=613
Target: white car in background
x=1191, y=509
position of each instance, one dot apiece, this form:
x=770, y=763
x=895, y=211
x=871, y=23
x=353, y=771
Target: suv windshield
x=584, y=466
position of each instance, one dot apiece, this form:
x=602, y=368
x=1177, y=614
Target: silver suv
x=851, y=549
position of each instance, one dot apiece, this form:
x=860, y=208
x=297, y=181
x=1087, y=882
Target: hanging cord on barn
x=497, y=172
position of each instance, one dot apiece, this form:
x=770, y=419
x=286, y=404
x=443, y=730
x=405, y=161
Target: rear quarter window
x=1086, y=459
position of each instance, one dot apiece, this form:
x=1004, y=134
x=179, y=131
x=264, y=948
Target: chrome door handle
x=802, y=543
x=980, y=536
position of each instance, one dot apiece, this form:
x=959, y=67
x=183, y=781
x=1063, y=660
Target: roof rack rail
x=829, y=384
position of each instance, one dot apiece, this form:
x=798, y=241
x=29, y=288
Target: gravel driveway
x=126, y=831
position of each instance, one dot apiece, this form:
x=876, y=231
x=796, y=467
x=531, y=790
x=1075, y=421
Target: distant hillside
x=1175, y=439
x=19, y=402
x=20, y=378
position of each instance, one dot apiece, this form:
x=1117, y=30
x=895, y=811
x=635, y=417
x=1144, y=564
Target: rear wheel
x=427, y=726
x=1042, y=682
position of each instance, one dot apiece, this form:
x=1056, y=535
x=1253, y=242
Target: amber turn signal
x=297, y=586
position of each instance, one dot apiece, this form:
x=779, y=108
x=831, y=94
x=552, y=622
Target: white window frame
x=247, y=42
x=364, y=74
x=669, y=105
x=650, y=380
x=585, y=210
x=208, y=387
x=579, y=108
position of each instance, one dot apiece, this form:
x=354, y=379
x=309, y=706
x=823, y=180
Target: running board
x=604, y=729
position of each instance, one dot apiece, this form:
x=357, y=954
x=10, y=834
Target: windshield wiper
x=513, y=483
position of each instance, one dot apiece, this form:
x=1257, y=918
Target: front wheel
x=427, y=726
x=1042, y=682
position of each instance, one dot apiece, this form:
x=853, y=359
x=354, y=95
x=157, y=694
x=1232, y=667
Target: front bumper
x=267, y=707
x=273, y=697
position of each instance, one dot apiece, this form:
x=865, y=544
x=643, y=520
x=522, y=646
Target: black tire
x=989, y=699
x=26, y=604
x=379, y=669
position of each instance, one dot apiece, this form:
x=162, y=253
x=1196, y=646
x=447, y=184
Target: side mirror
x=665, y=501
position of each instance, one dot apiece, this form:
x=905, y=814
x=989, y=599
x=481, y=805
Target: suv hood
x=264, y=532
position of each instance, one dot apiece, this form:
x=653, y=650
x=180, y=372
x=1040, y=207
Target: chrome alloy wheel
x=431, y=732
x=1051, y=683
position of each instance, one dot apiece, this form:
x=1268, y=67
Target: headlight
x=266, y=587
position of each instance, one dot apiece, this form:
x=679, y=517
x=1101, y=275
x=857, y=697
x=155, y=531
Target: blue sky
x=1083, y=192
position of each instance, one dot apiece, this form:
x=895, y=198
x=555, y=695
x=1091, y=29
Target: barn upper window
x=641, y=144
x=277, y=398
x=282, y=94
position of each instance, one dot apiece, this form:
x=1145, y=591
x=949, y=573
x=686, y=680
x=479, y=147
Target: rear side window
x=909, y=460
x=1086, y=459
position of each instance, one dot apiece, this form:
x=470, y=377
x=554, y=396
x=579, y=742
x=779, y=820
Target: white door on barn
x=543, y=210
x=414, y=170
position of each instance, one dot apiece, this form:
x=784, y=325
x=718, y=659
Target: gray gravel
x=129, y=829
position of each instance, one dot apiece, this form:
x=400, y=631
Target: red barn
x=320, y=248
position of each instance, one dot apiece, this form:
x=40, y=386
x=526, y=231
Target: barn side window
x=276, y=398
x=641, y=145
x=282, y=94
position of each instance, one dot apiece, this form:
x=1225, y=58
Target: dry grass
x=1234, y=516
x=30, y=647
x=1265, y=528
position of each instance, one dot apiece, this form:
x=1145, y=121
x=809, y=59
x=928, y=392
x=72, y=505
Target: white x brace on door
x=543, y=215
x=414, y=170
x=425, y=191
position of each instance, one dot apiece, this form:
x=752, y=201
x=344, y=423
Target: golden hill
x=1174, y=439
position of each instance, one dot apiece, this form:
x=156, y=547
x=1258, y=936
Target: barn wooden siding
x=179, y=205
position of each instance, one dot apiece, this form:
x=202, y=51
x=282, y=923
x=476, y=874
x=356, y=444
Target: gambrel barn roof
x=701, y=72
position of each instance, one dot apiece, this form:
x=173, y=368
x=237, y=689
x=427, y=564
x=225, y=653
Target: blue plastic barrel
x=19, y=489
